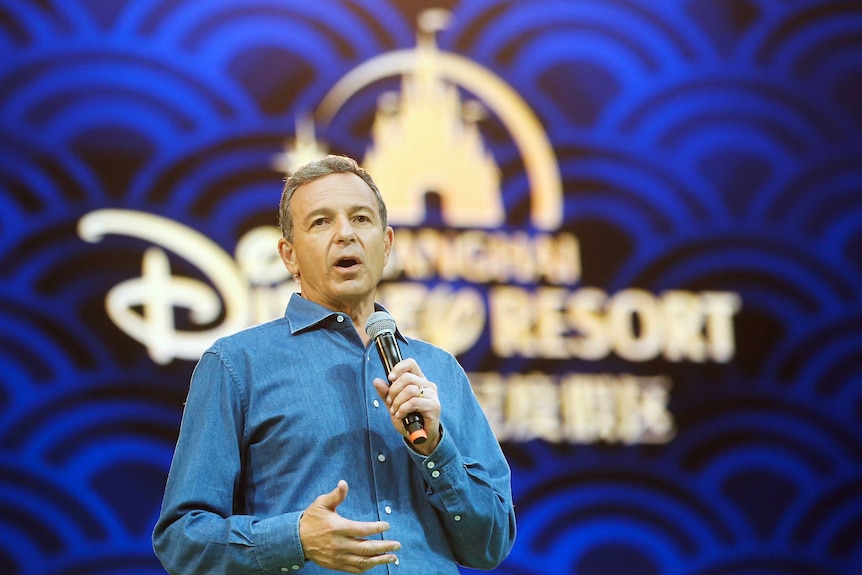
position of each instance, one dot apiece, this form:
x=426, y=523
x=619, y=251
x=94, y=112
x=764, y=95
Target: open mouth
x=346, y=262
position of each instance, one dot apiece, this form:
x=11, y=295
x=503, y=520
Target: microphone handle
x=390, y=354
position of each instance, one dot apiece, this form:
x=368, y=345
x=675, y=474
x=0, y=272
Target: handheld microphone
x=381, y=328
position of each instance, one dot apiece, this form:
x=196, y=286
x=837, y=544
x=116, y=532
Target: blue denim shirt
x=278, y=413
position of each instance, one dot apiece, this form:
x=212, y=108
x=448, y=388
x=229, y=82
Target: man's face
x=339, y=245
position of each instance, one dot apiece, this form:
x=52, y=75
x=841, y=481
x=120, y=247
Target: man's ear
x=388, y=240
x=288, y=256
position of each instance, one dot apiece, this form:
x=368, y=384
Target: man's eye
x=319, y=222
x=363, y=219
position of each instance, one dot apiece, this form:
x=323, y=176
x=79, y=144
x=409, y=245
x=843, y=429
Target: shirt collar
x=303, y=314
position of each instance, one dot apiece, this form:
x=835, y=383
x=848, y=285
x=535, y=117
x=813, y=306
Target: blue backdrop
x=702, y=145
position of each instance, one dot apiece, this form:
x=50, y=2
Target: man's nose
x=344, y=228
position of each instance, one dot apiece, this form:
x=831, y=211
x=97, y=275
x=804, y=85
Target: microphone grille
x=378, y=323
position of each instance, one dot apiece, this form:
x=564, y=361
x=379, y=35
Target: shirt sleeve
x=197, y=531
x=468, y=479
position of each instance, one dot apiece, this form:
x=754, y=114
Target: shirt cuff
x=432, y=465
x=278, y=547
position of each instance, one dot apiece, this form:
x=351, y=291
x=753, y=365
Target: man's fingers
x=374, y=547
x=372, y=552
x=361, y=563
x=335, y=497
x=339, y=543
x=382, y=390
x=347, y=527
x=360, y=529
x=407, y=365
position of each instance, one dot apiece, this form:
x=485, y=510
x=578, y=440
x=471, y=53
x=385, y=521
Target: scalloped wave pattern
x=703, y=145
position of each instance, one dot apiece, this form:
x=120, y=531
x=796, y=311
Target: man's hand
x=410, y=391
x=334, y=542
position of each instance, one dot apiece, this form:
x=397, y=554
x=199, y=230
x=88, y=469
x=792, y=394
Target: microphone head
x=379, y=323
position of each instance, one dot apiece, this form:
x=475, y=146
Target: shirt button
x=376, y=403
x=430, y=465
x=435, y=474
x=387, y=509
x=381, y=457
x=457, y=518
x=339, y=318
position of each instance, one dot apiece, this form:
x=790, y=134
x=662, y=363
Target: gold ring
x=421, y=392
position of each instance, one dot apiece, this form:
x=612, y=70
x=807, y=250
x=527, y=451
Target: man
x=292, y=453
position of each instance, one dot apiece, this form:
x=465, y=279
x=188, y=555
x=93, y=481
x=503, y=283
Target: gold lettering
x=511, y=321
x=683, y=317
x=484, y=257
x=550, y=327
x=584, y=310
x=720, y=307
x=576, y=408
x=635, y=342
x=532, y=408
x=453, y=319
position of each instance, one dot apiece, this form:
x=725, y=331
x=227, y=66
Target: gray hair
x=313, y=171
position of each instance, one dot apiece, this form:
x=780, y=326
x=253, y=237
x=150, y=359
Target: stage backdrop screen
x=638, y=225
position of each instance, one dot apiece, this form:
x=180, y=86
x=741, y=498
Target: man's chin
x=353, y=289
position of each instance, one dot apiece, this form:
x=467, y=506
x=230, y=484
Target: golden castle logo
x=426, y=140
